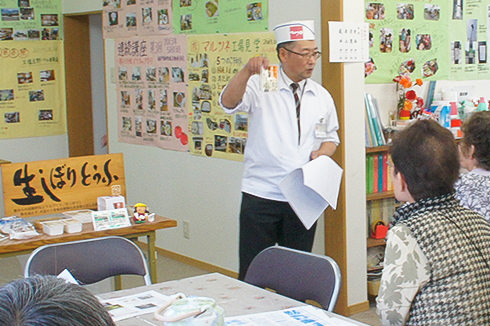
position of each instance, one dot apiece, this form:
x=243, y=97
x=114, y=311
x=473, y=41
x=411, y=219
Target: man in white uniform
x=287, y=128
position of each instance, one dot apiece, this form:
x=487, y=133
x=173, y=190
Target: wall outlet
x=187, y=230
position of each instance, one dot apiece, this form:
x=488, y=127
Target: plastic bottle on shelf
x=482, y=105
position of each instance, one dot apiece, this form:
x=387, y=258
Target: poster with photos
x=432, y=41
x=126, y=18
x=220, y=16
x=32, y=90
x=212, y=60
x=23, y=20
x=152, y=91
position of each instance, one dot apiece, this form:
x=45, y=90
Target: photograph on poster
x=179, y=99
x=23, y=3
x=151, y=126
x=375, y=11
x=45, y=115
x=126, y=124
x=163, y=75
x=10, y=14
x=47, y=75
x=151, y=74
x=177, y=75
x=125, y=99
x=50, y=34
x=151, y=100
x=113, y=18
x=36, y=95
x=386, y=40
x=27, y=13
x=212, y=8
x=20, y=35
x=405, y=11
x=165, y=128
x=432, y=12
x=138, y=126
x=423, y=42
x=139, y=99
x=123, y=73
x=24, y=77
x=241, y=122
x=186, y=22
x=254, y=11
x=163, y=17
x=146, y=14
x=163, y=100
x=6, y=34
x=220, y=143
x=6, y=94
x=136, y=75
x=405, y=40
x=197, y=141
x=33, y=34
x=131, y=19
x=12, y=117
x=456, y=52
x=430, y=68
x=49, y=20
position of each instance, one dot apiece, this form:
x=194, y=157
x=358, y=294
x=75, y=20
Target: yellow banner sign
x=55, y=186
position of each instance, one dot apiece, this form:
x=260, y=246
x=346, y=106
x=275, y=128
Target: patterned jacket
x=447, y=271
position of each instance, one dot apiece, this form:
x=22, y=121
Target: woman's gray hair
x=47, y=300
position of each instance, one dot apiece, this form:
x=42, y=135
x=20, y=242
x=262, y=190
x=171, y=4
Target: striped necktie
x=295, y=87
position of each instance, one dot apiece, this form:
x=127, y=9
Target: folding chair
x=297, y=274
x=89, y=261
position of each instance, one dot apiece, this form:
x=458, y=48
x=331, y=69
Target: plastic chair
x=89, y=261
x=297, y=274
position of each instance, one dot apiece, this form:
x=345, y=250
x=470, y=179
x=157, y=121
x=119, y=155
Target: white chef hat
x=295, y=31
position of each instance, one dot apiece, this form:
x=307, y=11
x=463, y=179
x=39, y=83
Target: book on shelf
x=378, y=173
x=374, y=125
x=369, y=174
x=375, y=173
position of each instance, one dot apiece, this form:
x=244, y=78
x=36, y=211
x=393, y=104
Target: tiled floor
x=168, y=269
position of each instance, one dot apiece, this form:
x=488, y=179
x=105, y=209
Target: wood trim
x=78, y=85
x=335, y=220
x=357, y=308
x=192, y=262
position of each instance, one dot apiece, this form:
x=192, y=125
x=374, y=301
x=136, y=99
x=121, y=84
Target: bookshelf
x=376, y=201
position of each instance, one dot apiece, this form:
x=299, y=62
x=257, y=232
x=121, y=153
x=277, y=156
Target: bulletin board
x=32, y=89
x=54, y=186
x=412, y=37
x=23, y=20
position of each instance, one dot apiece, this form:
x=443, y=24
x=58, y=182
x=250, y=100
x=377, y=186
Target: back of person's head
x=476, y=132
x=49, y=301
x=426, y=155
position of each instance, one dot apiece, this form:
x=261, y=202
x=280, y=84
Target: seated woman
x=437, y=259
x=473, y=188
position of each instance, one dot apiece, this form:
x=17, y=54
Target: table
x=234, y=296
x=148, y=229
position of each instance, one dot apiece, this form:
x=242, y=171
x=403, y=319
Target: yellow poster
x=212, y=61
x=32, y=90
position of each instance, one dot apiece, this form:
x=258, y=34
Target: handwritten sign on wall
x=55, y=186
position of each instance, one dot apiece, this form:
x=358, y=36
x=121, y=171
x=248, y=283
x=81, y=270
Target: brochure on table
x=134, y=305
x=110, y=219
x=299, y=316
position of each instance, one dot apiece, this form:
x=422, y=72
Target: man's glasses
x=310, y=55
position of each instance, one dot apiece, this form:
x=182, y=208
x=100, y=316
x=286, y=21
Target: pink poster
x=152, y=91
x=126, y=18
